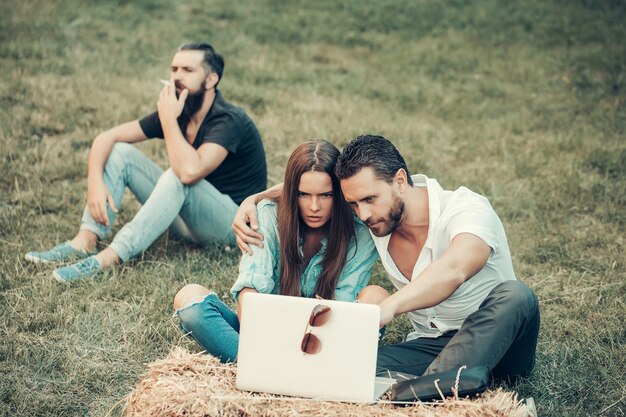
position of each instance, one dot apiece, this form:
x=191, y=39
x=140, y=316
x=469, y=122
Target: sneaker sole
x=532, y=408
x=58, y=277
x=36, y=260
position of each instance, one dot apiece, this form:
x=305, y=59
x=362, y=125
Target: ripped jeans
x=213, y=325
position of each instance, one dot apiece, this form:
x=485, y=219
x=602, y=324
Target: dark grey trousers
x=501, y=334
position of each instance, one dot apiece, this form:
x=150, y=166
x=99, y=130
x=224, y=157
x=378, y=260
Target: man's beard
x=193, y=102
x=388, y=224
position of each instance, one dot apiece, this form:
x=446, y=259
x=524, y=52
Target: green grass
x=523, y=102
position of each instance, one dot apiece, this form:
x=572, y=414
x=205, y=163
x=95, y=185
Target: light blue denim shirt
x=261, y=270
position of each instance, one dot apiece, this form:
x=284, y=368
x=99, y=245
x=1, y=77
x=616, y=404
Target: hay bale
x=186, y=384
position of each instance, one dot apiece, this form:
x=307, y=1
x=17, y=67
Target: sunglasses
x=319, y=316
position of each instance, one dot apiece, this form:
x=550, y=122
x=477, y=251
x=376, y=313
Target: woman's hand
x=240, y=298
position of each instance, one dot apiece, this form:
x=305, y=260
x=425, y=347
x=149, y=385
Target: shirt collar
x=434, y=202
x=323, y=244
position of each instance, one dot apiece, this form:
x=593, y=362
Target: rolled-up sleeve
x=257, y=271
x=361, y=257
x=477, y=219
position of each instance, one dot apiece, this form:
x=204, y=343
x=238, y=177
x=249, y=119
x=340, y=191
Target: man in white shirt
x=447, y=254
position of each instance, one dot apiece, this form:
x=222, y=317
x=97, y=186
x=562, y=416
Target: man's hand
x=97, y=197
x=170, y=106
x=386, y=314
x=245, y=225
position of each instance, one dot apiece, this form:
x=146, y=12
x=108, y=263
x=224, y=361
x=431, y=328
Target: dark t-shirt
x=244, y=171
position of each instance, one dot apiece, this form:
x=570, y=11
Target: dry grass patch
x=186, y=384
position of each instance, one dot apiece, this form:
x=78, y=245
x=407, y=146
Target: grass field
x=524, y=102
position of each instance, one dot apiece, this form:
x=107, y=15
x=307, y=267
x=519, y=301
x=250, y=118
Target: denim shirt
x=261, y=270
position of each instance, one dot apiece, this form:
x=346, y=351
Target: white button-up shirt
x=452, y=213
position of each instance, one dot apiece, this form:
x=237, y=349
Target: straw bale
x=198, y=385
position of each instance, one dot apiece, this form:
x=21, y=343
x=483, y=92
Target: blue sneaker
x=86, y=268
x=60, y=253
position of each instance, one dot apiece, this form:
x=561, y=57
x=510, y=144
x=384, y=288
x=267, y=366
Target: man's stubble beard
x=391, y=221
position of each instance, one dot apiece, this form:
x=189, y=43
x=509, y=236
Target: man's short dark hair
x=212, y=59
x=371, y=151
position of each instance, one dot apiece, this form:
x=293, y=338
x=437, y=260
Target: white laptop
x=271, y=357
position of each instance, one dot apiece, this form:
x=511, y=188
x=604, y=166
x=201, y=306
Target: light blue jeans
x=213, y=325
x=198, y=212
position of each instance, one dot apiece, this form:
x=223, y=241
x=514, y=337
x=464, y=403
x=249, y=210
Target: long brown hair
x=320, y=156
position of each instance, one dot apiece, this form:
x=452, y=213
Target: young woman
x=313, y=246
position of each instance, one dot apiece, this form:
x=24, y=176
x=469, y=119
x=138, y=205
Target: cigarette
x=165, y=82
